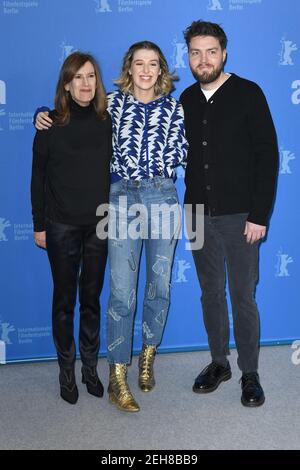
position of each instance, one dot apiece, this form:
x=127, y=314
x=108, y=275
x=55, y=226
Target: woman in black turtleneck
x=70, y=179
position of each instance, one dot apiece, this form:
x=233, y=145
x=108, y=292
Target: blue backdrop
x=35, y=38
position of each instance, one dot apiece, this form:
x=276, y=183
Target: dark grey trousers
x=225, y=249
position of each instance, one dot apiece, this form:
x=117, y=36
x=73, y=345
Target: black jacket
x=233, y=155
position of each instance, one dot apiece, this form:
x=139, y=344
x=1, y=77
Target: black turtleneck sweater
x=71, y=169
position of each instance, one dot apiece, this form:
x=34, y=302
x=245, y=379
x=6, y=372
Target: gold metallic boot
x=146, y=374
x=118, y=389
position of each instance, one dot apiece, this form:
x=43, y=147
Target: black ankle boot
x=92, y=381
x=68, y=387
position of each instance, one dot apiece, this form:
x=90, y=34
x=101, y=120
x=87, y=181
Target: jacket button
x=204, y=143
x=206, y=166
x=204, y=121
x=208, y=187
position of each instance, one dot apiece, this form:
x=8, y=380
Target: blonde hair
x=164, y=84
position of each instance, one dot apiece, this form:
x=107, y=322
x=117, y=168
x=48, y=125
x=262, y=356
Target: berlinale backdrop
x=35, y=38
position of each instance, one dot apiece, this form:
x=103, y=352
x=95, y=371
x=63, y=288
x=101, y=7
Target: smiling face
x=83, y=86
x=145, y=70
x=206, y=58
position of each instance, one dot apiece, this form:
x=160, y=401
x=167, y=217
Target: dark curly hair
x=205, y=28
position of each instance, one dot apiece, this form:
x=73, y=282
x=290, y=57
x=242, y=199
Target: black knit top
x=70, y=170
x=233, y=154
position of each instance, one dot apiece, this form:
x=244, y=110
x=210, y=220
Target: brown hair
x=63, y=98
x=164, y=84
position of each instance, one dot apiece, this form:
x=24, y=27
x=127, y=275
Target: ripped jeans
x=129, y=227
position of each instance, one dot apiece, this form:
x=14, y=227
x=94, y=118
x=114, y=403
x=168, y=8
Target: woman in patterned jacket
x=148, y=143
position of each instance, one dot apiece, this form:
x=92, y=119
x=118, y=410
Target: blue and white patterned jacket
x=148, y=139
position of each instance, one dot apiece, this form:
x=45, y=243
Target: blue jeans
x=159, y=234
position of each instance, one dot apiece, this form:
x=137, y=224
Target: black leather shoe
x=252, y=392
x=210, y=378
x=68, y=387
x=92, y=381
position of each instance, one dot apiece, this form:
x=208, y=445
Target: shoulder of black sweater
x=235, y=81
x=53, y=114
x=250, y=94
x=190, y=92
x=244, y=84
x=41, y=138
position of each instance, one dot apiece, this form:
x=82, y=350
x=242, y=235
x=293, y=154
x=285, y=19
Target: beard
x=208, y=77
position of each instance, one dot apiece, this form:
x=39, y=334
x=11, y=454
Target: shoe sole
x=71, y=402
x=252, y=405
x=148, y=388
x=212, y=389
x=113, y=401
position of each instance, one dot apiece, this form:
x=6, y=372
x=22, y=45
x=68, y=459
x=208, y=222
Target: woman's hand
x=40, y=239
x=43, y=122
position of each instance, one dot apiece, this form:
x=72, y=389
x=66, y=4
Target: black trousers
x=77, y=258
x=225, y=248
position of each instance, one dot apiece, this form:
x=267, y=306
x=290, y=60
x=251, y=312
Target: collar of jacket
x=152, y=104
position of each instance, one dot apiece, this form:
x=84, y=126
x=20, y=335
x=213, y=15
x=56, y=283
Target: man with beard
x=232, y=170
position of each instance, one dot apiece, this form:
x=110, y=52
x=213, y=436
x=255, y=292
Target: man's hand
x=254, y=232
x=40, y=239
x=43, y=122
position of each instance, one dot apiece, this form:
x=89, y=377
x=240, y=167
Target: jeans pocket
x=169, y=191
x=116, y=189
